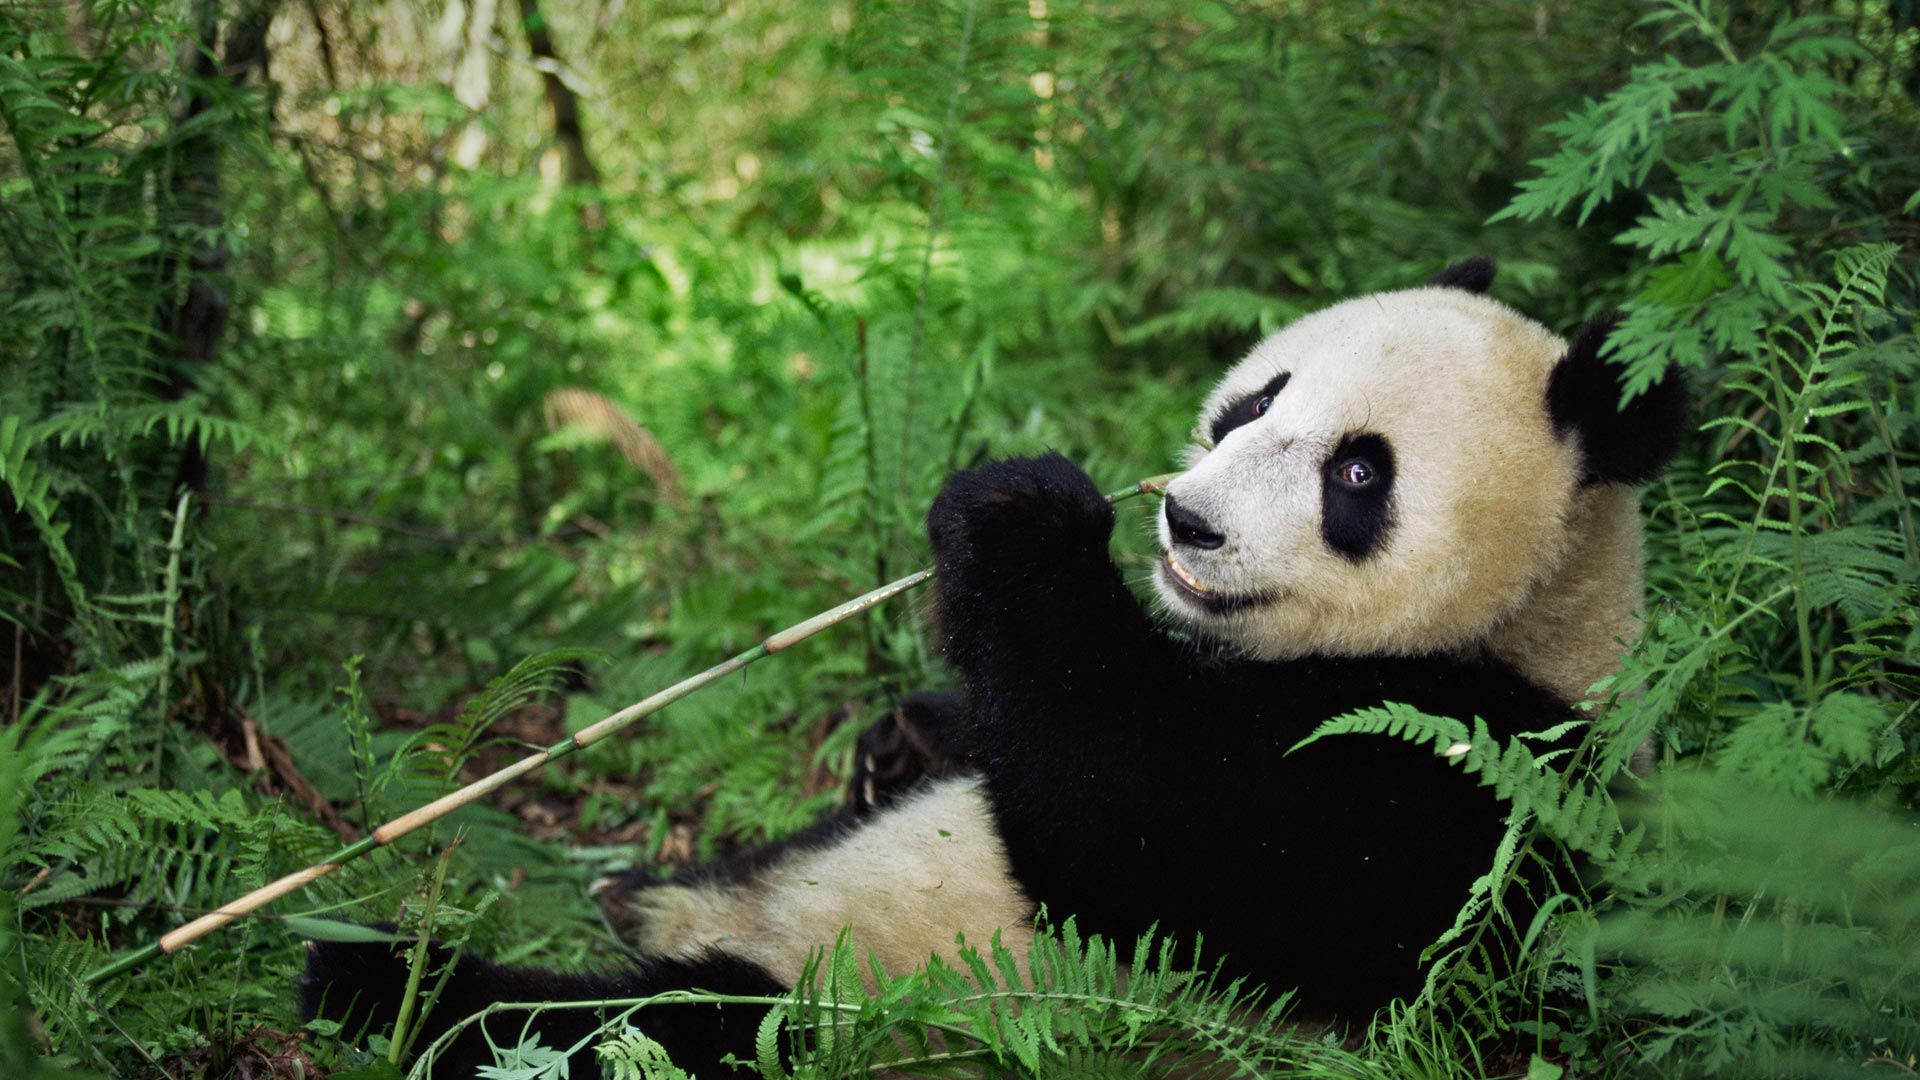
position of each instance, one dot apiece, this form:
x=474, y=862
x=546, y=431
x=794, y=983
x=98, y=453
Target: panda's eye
x=1355, y=473
x=1249, y=408
x=1358, y=477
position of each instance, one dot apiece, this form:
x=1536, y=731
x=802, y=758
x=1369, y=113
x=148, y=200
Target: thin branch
x=385, y=835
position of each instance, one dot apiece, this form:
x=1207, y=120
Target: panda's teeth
x=1185, y=577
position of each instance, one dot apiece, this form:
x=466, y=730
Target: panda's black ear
x=1617, y=446
x=1474, y=275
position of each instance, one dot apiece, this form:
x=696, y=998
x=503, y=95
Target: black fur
x=360, y=985
x=903, y=747
x=1355, y=523
x=1474, y=275
x=1617, y=446
x=1137, y=781
x=1247, y=408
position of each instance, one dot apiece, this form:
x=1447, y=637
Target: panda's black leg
x=360, y=985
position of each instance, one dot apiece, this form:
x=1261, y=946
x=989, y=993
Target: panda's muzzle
x=1188, y=532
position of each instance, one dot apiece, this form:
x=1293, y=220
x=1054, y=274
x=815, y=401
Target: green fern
x=1746, y=137
x=32, y=491
x=1775, y=936
x=1069, y=1004
x=831, y=259
x=1206, y=311
x=1577, y=812
x=633, y=1056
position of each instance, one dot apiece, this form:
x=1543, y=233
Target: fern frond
x=1205, y=311
x=1575, y=811
x=1773, y=930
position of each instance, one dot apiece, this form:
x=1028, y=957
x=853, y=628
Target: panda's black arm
x=1028, y=599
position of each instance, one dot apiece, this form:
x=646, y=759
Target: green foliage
x=1035, y=1014
x=1775, y=934
x=1738, y=157
x=316, y=353
x=1062, y=1006
x=633, y=1056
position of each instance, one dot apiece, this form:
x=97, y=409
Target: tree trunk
x=194, y=305
x=564, y=103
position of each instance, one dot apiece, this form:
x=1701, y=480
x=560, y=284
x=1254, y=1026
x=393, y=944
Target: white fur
x=906, y=881
x=1490, y=531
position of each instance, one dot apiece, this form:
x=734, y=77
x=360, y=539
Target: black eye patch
x=1247, y=409
x=1355, y=481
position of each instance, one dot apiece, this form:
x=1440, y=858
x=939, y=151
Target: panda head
x=1413, y=472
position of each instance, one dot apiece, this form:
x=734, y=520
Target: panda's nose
x=1190, y=529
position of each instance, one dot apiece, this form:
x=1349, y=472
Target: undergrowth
x=352, y=441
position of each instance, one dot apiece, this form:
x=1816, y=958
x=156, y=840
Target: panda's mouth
x=1199, y=593
x=1185, y=578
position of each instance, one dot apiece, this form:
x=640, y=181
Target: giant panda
x=1417, y=496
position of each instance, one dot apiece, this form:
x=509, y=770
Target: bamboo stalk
x=182, y=936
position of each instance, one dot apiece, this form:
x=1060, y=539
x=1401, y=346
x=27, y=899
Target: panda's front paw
x=1018, y=506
